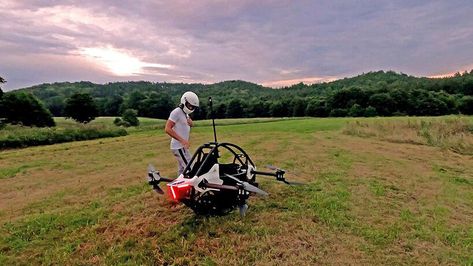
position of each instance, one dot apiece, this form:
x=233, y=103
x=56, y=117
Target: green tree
x=383, y=103
x=131, y=117
x=430, y=105
x=157, y=105
x=393, y=93
x=416, y=102
x=370, y=111
x=338, y=112
x=280, y=109
x=134, y=100
x=298, y=107
x=346, y=97
x=468, y=84
x=356, y=110
x=448, y=100
x=466, y=105
x=234, y=109
x=56, y=105
x=220, y=110
x=24, y=108
x=81, y=107
x=112, y=105
x=400, y=99
x=316, y=108
x=258, y=108
x=100, y=103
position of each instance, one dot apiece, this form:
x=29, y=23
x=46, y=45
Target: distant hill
x=65, y=89
x=114, y=97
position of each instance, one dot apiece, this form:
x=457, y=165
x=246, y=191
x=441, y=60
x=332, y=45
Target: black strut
x=213, y=119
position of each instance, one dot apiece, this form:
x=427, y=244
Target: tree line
x=371, y=94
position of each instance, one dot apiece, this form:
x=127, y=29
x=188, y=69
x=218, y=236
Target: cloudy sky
x=273, y=43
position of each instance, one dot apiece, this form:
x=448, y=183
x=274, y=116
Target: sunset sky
x=273, y=43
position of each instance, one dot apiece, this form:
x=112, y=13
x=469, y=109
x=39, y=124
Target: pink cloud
x=289, y=82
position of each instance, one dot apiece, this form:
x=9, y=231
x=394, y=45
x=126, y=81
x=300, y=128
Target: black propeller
x=280, y=176
x=272, y=167
x=154, y=178
x=292, y=183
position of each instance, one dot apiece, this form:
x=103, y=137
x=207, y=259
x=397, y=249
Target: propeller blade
x=234, y=178
x=152, y=175
x=151, y=168
x=155, y=176
x=247, y=186
x=158, y=189
x=272, y=167
x=285, y=181
x=218, y=186
x=154, y=179
x=290, y=173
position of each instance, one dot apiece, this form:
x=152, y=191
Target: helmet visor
x=190, y=106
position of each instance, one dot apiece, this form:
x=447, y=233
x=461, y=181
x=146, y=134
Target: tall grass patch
x=20, y=136
x=454, y=133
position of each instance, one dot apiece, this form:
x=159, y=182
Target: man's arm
x=168, y=129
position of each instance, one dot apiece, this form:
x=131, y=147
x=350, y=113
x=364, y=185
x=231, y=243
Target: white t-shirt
x=181, y=127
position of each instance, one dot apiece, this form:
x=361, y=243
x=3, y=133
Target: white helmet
x=190, y=98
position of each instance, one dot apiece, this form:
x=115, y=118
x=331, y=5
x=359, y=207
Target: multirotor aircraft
x=211, y=187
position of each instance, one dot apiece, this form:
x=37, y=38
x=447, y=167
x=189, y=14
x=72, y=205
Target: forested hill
x=373, y=93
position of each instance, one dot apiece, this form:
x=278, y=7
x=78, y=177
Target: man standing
x=178, y=128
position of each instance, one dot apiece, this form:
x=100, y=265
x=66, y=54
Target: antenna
x=213, y=119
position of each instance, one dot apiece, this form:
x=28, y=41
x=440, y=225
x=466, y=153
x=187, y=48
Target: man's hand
x=190, y=122
x=185, y=143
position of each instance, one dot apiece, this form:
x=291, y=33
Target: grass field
x=367, y=201
x=151, y=123
x=67, y=130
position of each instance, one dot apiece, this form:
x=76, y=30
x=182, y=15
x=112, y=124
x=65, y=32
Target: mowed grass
x=367, y=201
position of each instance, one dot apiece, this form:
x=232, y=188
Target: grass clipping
x=453, y=133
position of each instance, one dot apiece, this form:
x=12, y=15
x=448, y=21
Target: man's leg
x=186, y=154
x=182, y=157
